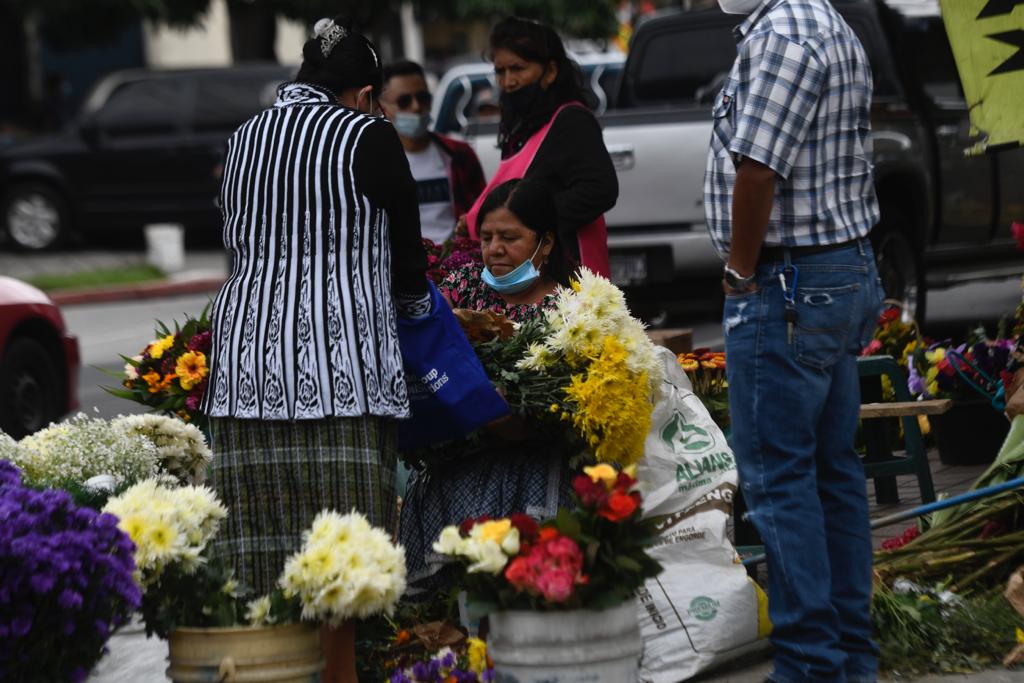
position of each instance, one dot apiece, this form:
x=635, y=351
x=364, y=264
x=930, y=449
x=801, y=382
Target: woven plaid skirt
x=274, y=476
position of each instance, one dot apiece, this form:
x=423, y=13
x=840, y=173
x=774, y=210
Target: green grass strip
x=104, y=277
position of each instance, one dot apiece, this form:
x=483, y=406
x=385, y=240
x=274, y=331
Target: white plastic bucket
x=579, y=646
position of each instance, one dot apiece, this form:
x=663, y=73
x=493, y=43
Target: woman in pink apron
x=547, y=133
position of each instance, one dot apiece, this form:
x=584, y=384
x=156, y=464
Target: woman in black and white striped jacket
x=306, y=382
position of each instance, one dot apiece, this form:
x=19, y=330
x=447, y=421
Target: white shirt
x=437, y=215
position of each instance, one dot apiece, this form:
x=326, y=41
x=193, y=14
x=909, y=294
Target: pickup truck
x=946, y=218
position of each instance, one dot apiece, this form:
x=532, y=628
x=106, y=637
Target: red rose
x=468, y=523
x=519, y=572
x=548, y=533
x=527, y=526
x=624, y=483
x=1018, y=233
x=889, y=315
x=620, y=506
x=592, y=494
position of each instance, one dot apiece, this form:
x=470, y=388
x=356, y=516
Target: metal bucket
x=289, y=653
x=566, y=647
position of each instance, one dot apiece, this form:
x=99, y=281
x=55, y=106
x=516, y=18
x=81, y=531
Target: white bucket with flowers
x=560, y=595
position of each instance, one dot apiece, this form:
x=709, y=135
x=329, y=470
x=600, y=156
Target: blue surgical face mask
x=412, y=126
x=516, y=280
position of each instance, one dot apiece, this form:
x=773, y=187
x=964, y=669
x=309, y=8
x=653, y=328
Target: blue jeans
x=795, y=404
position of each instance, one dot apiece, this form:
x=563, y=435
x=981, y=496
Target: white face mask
x=739, y=6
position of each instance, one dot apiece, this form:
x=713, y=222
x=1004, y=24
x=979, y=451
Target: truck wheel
x=30, y=390
x=899, y=266
x=35, y=217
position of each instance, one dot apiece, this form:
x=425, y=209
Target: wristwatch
x=737, y=282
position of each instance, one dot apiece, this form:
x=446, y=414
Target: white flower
x=131, y=371
x=72, y=452
x=182, y=450
x=490, y=558
x=345, y=569
x=450, y=541
x=257, y=612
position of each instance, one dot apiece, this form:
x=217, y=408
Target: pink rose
x=556, y=585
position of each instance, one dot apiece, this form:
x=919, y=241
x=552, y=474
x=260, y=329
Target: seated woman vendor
x=490, y=474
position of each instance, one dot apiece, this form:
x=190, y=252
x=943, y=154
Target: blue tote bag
x=449, y=392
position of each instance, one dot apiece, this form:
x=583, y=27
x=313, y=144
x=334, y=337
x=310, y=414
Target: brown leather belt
x=775, y=254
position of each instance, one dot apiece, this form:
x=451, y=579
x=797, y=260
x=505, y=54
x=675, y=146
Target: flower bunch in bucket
x=171, y=527
x=346, y=569
x=171, y=373
x=706, y=370
x=590, y=556
x=67, y=582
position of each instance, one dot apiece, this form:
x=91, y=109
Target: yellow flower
x=611, y=406
x=603, y=473
x=160, y=537
x=1020, y=635
x=157, y=347
x=476, y=652
x=191, y=369
x=152, y=379
x=495, y=530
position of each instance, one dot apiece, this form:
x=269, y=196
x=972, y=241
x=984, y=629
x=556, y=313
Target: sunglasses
x=405, y=101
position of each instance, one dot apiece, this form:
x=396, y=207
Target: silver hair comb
x=330, y=35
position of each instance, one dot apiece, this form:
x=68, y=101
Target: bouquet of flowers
x=706, y=370
x=589, y=365
x=171, y=373
x=67, y=583
x=453, y=254
x=592, y=556
x=171, y=527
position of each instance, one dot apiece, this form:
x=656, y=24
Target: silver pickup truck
x=945, y=217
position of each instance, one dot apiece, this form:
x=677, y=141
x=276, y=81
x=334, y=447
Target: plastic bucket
x=566, y=647
x=289, y=653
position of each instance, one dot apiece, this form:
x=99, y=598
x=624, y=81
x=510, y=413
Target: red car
x=38, y=360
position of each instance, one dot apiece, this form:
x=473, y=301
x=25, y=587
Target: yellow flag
x=987, y=37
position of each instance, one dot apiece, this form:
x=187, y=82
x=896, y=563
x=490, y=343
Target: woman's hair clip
x=330, y=34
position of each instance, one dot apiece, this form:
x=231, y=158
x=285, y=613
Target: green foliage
x=933, y=631
x=209, y=597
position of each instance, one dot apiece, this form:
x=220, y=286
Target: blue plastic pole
x=930, y=507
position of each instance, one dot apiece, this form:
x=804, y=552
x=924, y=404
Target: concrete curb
x=147, y=290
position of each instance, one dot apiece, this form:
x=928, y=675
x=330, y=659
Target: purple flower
x=67, y=582
x=200, y=342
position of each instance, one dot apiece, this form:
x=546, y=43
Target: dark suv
x=146, y=147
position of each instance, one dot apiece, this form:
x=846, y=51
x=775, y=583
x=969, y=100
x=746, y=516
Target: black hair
x=539, y=43
x=352, y=61
x=532, y=203
x=403, y=67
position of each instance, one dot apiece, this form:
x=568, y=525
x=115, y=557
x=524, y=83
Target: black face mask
x=518, y=104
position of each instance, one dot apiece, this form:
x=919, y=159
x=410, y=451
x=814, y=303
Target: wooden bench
x=880, y=463
x=937, y=406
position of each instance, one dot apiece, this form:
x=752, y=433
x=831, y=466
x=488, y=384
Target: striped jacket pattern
x=305, y=326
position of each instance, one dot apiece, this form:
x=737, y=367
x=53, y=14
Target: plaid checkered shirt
x=798, y=99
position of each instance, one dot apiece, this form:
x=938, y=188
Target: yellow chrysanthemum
x=191, y=369
x=159, y=346
x=612, y=406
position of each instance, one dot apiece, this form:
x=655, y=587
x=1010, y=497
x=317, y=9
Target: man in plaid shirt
x=790, y=200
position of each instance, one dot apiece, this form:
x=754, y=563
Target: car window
x=225, y=101
x=679, y=66
x=932, y=63
x=148, y=106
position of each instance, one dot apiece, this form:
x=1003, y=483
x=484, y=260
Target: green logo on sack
x=683, y=437
x=703, y=608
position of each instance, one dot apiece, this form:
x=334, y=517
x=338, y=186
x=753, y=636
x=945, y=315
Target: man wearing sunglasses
x=447, y=172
